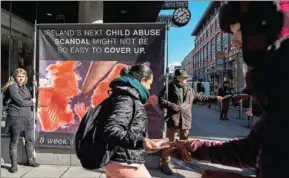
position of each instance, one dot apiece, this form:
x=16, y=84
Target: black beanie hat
x=257, y=13
x=229, y=14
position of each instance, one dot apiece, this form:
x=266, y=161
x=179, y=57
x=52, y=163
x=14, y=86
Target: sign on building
x=220, y=57
x=167, y=19
x=175, y=4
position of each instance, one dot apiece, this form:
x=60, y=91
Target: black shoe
x=166, y=168
x=13, y=168
x=32, y=163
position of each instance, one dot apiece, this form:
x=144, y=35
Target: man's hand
x=149, y=145
x=220, y=98
x=176, y=108
x=34, y=83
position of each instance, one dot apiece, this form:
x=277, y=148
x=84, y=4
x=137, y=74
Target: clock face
x=181, y=16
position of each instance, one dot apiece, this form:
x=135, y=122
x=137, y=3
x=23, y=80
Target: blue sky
x=180, y=40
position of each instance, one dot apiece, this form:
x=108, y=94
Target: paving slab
x=206, y=123
x=22, y=170
x=77, y=171
x=47, y=171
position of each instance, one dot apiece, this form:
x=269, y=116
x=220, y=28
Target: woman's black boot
x=30, y=156
x=13, y=157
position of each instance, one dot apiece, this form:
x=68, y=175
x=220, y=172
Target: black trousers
x=28, y=136
x=16, y=126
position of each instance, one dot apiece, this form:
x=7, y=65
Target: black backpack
x=92, y=149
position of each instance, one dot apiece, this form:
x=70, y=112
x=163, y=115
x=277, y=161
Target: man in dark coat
x=223, y=91
x=179, y=110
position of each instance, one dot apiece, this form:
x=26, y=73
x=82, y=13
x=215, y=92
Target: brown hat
x=181, y=73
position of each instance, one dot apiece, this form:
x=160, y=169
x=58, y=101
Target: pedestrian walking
x=130, y=92
x=179, y=110
x=19, y=117
x=224, y=91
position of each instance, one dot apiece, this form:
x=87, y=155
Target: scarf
x=134, y=83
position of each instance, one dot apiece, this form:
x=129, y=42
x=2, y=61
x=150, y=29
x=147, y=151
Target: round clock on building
x=181, y=17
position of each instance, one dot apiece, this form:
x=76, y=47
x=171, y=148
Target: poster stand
x=34, y=79
x=52, y=135
x=167, y=77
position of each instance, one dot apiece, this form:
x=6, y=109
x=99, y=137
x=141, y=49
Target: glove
x=176, y=108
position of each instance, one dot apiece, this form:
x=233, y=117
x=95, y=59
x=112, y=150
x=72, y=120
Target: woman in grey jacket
x=19, y=117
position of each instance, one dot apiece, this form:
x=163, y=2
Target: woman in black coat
x=127, y=124
x=19, y=117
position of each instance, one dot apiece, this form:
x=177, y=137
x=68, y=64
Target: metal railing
x=241, y=111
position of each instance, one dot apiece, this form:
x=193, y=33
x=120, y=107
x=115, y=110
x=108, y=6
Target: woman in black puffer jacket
x=131, y=93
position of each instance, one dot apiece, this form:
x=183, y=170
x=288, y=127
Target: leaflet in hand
x=162, y=143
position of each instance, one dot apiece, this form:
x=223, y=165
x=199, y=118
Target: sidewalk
x=206, y=125
x=49, y=171
x=182, y=170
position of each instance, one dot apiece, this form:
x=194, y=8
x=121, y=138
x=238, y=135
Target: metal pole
x=166, y=77
x=34, y=75
x=250, y=118
x=10, y=39
x=241, y=109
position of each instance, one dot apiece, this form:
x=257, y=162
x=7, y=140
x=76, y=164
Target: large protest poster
x=76, y=64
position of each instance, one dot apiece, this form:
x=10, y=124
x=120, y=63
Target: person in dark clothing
x=211, y=93
x=19, y=117
x=202, y=90
x=179, y=110
x=256, y=27
x=130, y=93
x=223, y=91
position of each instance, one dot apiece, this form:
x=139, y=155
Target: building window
x=225, y=42
x=215, y=23
x=201, y=62
x=218, y=24
x=213, y=48
x=205, y=55
x=231, y=37
x=199, y=58
x=209, y=51
x=211, y=28
x=218, y=42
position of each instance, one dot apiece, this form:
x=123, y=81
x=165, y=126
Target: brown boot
x=167, y=168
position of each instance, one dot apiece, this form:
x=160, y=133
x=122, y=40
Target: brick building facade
x=212, y=44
